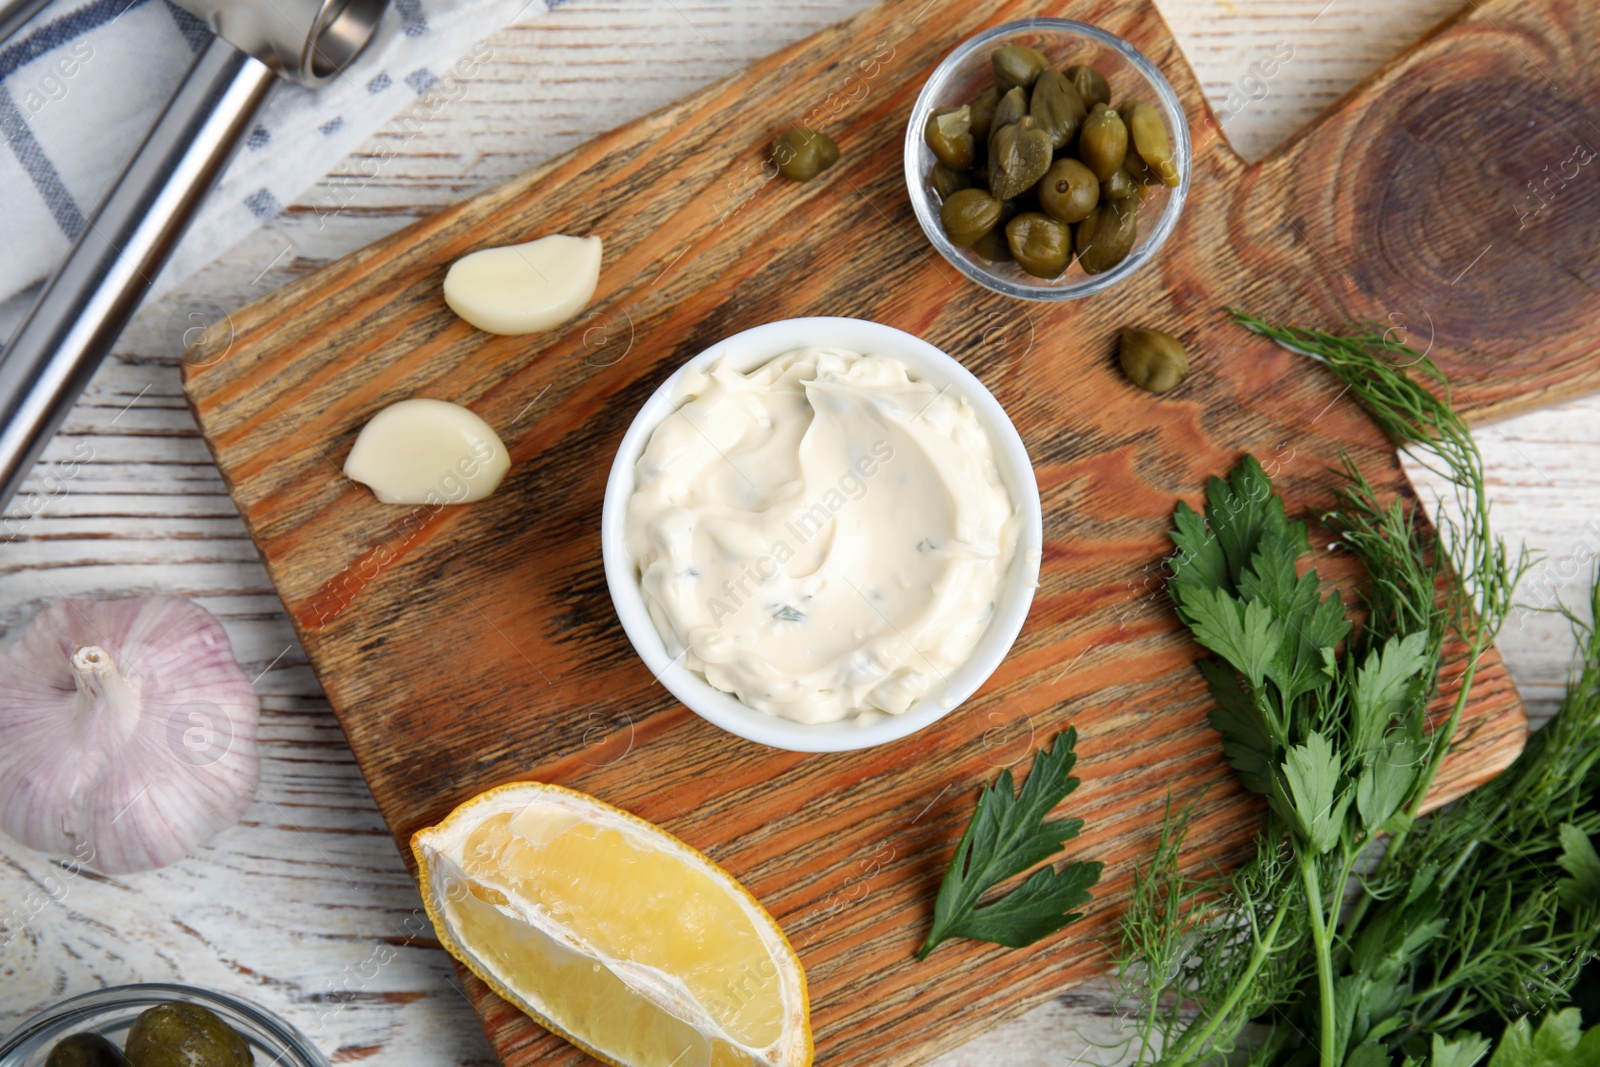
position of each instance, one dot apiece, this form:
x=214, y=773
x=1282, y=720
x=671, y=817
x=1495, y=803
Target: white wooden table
x=305, y=906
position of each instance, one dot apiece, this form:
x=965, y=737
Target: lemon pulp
x=585, y=999
x=633, y=903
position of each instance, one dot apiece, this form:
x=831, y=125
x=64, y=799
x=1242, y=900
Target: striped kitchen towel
x=82, y=83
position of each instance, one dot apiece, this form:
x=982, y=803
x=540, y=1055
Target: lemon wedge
x=612, y=933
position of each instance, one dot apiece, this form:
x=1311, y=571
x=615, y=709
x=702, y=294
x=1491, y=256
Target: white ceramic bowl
x=747, y=351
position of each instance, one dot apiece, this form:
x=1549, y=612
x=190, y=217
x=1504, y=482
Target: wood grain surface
x=371, y=595
x=305, y=907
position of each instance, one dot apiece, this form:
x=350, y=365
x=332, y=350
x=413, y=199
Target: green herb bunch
x=1461, y=920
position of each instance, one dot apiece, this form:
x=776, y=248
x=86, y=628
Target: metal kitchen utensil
x=84, y=306
x=15, y=13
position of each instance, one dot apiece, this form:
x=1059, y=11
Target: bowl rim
x=751, y=348
x=922, y=202
x=133, y=994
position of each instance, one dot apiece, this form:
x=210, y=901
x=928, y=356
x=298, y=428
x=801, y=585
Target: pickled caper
x=85, y=1050
x=1118, y=186
x=1090, y=85
x=992, y=246
x=948, y=132
x=1139, y=170
x=1150, y=141
x=1103, y=142
x=1012, y=106
x=1057, y=108
x=802, y=153
x=1152, y=360
x=1106, y=236
x=1027, y=200
x=1017, y=65
x=968, y=215
x=983, y=113
x=944, y=181
x=1018, y=156
x=1068, y=191
x=1041, y=245
x=185, y=1035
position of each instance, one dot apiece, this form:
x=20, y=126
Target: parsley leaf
x=1465, y=1051
x=1385, y=685
x=1385, y=784
x=1246, y=735
x=1244, y=511
x=1243, y=633
x=1199, y=561
x=1308, y=798
x=1006, y=836
x=1559, y=1042
x=1579, y=859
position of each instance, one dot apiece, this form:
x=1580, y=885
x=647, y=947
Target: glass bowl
x=966, y=72
x=110, y=1013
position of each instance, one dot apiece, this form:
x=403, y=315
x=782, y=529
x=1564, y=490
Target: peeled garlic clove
x=427, y=452
x=524, y=288
x=127, y=732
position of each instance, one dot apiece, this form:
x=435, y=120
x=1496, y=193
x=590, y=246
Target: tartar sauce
x=824, y=536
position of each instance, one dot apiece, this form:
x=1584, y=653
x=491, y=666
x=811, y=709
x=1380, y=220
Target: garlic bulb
x=127, y=732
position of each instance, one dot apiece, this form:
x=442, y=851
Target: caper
x=992, y=247
x=1012, y=106
x=1139, y=170
x=185, y=1035
x=1118, y=186
x=1017, y=64
x=983, y=113
x=1090, y=85
x=1151, y=143
x=1152, y=360
x=1041, y=245
x=1106, y=235
x=85, y=1050
x=802, y=153
x=1018, y=156
x=968, y=215
x=1056, y=106
x=1103, y=143
x=944, y=181
x=1068, y=191
x=1027, y=200
x=948, y=132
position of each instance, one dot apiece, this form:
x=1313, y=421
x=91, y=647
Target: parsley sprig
x=1007, y=835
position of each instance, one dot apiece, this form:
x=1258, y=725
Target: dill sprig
x=1520, y=931
x=1391, y=381
x=1221, y=949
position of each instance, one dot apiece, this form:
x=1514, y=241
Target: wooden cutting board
x=1452, y=197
